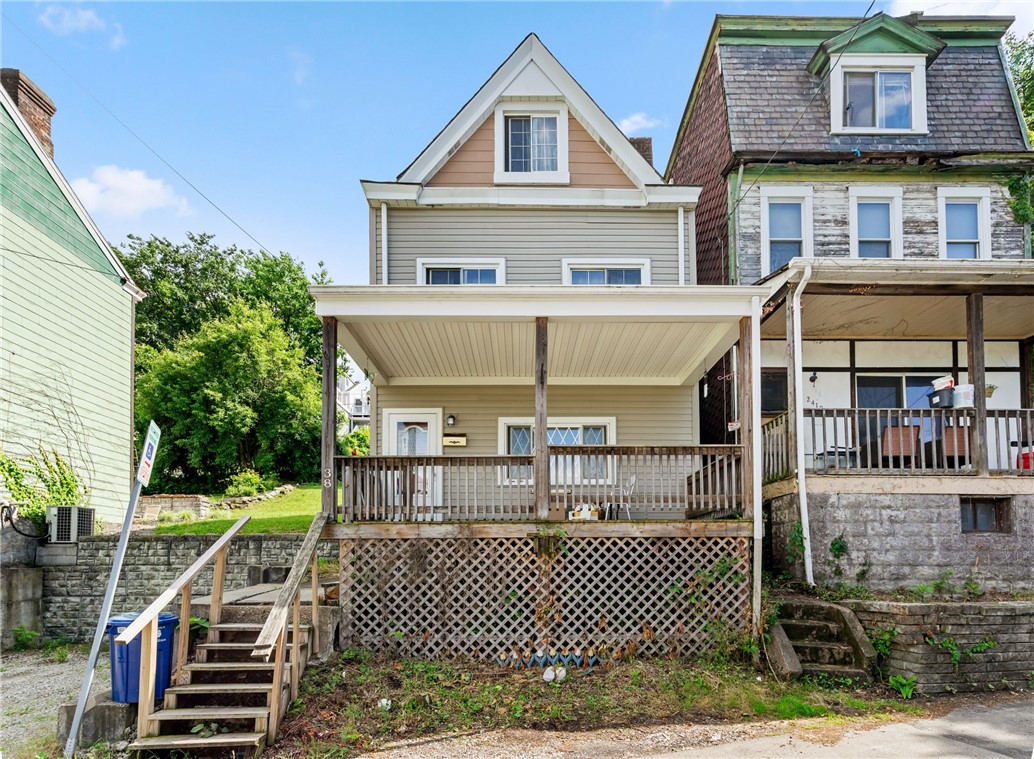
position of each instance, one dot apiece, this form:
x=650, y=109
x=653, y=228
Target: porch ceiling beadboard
x=485, y=335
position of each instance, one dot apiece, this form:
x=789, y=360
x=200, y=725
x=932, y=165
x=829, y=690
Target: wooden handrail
x=152, y=611
x=277, y=618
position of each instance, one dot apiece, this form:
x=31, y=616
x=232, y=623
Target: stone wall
x=21, y=593
x=72, y=593
x=926, y=633
x=903, y=540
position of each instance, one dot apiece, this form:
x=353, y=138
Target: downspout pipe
x=384, y=243
x=798, y=384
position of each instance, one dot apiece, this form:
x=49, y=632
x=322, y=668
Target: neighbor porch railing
x=1010, y=441
x=775, y=449
x=889, y=441
x=621, y=482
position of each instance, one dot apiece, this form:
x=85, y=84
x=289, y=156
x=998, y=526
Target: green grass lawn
x=290, y=512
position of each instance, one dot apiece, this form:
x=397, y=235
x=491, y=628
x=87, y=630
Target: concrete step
x=213, y=713
x=810, y=629
x=837, y=672
x=824, y=652
x=221, y=740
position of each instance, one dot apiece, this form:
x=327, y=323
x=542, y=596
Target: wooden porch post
x=975, y=366
x=791, y=381
x=744, y=376
x=328, y=437
x=541, y=417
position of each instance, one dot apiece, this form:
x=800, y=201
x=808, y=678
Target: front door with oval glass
x=414, y=484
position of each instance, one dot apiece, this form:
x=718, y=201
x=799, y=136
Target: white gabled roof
x=66, y=189
x=531, y=71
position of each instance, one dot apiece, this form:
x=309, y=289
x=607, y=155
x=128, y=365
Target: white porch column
x=541, y=417
x=328, y=438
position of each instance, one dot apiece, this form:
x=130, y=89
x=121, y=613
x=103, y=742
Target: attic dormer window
x=531, y=143
x=878, y=94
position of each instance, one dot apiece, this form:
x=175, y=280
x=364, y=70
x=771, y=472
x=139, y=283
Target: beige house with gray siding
x=66, y=313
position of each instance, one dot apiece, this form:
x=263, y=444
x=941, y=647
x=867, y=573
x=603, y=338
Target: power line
x=114, y=276
x=139, y=139
x=800, y=116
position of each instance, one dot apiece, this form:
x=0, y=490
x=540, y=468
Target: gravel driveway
x=32, y=687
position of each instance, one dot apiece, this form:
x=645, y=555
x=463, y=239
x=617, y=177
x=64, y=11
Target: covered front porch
x=536, y=485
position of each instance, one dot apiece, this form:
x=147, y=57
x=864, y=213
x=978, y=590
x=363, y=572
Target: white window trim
x=499, y=264
x=595, y=262
x=878, y=194
x=979, y=195
x=543, y=108
x=610, y=422
x=793, y=193
x=916, y=64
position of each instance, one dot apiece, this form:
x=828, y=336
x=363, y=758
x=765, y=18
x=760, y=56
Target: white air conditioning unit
x=69, y=523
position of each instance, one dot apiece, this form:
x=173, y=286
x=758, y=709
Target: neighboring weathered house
x=66, y=313
x=859, y=168
x=532, y=247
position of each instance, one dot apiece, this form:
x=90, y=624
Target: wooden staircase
x=226, y=686
x=244, y=675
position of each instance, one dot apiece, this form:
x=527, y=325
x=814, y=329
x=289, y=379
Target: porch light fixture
x=450, y=420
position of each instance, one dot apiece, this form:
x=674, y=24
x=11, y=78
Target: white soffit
x=531, y=82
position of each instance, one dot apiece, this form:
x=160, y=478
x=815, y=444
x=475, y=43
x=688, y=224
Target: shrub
x=246, y=483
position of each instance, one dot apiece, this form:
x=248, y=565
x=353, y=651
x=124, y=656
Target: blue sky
x=276, y=110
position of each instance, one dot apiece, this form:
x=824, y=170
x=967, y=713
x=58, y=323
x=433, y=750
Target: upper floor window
x=875, y=219
x=786, y=225
x=965, y=222
x=876, y=93
x=472, y=271
x=610, y=271
x=531, y=143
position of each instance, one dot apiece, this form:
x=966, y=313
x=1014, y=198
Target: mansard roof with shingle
x=969, y=106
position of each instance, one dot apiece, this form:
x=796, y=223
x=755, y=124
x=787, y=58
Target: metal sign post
x=143, y=476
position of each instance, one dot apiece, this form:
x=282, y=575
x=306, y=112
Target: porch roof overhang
x=913, y=299
x=654, y=335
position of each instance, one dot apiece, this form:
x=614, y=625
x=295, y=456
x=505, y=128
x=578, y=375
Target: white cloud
x=126, y=193
x=637, y=122
x=1023, y=10
x=64, y=20
x=300, y=65
x=118, y=37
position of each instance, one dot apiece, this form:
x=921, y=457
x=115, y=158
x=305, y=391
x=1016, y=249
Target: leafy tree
x=195, y=282
x=236, y=395
x=1020, y=53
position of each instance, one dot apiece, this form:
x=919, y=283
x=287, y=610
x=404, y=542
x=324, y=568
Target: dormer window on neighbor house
x=531, y=143
x=876, y=94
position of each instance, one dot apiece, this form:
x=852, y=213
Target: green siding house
x=66, y=313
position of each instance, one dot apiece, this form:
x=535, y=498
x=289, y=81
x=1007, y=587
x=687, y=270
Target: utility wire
x=139, y=139
x=800, y=116
x=69, y=264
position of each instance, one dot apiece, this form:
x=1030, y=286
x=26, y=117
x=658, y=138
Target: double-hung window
x=874, y=93
x=517, y=438
x=875, y=220
x=965, y=222
x=610, y=271
x=471, y=271
x=786, y=225
x=531, y=143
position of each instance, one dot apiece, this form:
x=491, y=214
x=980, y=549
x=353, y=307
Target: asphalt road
x=1004, y=731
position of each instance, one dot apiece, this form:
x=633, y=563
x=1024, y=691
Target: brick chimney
x=33, y=103
x=644, y=145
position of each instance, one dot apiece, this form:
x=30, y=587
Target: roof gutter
x=798, y=384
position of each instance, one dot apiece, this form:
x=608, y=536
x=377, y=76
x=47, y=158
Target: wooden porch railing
x=1010, y=441
x=775, y=449
x=889, y=441
x=147, y=623
x=272, y=640
x=622, y=482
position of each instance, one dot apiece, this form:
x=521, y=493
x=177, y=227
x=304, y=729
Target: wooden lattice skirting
x=511, y=598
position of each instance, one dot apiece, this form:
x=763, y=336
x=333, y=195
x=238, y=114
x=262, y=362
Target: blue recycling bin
x=125, y=659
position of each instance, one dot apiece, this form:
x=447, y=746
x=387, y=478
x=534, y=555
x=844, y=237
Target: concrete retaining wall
x=72, y=593
x=926, y=633
x=21, y=596
x=903, y=540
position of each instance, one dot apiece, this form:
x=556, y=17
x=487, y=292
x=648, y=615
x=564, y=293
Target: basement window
x=985, y=514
